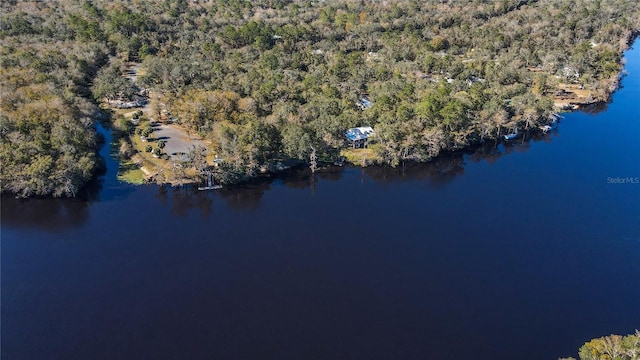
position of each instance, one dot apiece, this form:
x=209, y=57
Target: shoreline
x=573, y=97
x=271, y=168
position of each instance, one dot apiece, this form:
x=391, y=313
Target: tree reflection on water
x=44, y=214
x=61, y=214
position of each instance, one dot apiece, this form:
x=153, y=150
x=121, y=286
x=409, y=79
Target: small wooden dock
x=210, y=184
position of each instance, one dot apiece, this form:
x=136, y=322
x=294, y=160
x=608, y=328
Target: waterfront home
x=357, y=137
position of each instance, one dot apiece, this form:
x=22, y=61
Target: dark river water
x=523, y=251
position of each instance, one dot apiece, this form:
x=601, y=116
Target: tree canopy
x=612, y=347
x=265, y=80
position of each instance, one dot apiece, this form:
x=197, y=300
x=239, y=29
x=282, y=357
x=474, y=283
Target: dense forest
x=48, y=142
x=269, y=80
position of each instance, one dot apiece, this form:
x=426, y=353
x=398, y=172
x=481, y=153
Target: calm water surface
x=524, y=251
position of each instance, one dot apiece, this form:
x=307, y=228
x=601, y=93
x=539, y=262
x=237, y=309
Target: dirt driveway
x=176, y=138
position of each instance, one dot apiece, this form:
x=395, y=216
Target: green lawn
x=360, y=156
x=133, y=176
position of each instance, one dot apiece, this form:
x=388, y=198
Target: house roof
x=359, y=133
x=365, y=103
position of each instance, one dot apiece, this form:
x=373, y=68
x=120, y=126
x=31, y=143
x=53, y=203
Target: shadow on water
x=59, y=214
x=596, y=108
x=184, y=199
x=63, y=213
x=241, y=197
x=246, y=196
x=53, y=214
x=449, y=166
x=45, y=214
x=436, y=173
